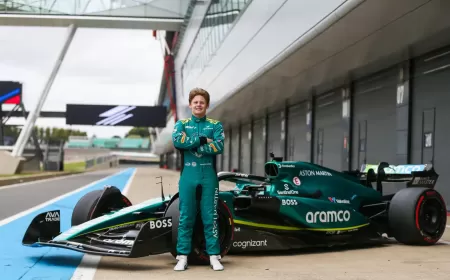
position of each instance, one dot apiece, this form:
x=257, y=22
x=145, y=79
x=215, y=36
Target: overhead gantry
x=154, y=15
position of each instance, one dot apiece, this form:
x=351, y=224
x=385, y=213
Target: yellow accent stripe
x=213, y=147
x=183, y=138
x=212, y=121
x=294, y=228
x=132, y=222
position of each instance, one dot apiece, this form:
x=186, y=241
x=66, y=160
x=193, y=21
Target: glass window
x=217, y=23
x=128, y=8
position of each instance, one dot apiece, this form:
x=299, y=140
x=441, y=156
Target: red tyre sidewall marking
x=126, y=200
x=232, y=227
x=418, y=210
x=419, y=203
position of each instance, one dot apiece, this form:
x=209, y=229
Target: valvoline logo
x=335, y=200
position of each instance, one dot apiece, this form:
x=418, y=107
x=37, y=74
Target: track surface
x=28, y=263
x=34, y=193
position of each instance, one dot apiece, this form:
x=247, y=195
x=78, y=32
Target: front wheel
x=97, y=203
x=417, y=216
x=198, y=254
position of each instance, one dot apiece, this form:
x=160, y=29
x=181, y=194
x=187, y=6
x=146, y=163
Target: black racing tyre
x=84, y=209
x=417, y=216
x=198, y=254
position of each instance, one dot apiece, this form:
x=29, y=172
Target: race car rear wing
x=416, y=175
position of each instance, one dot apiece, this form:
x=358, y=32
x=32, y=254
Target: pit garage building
x=338, y=83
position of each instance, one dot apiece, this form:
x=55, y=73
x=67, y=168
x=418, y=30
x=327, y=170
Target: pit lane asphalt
x=17, y=198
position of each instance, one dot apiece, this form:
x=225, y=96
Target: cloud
x=133, y=52
x=102, y=66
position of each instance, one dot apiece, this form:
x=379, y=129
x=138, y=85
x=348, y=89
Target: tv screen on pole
x=10, y=92
x=120, y=115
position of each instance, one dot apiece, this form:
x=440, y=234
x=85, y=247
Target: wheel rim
x=430, y=218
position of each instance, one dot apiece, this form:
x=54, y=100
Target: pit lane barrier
x=26, y=170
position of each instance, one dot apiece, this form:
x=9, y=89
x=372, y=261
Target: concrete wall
x=188, y=39
x=259, y=26
x=8, y=163
x=268, y=26
x=392, y=111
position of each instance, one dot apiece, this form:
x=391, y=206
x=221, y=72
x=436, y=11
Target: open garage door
x=297, y=145
x=328, y=133
x=374, y=123
x=245, y=148
x=258, y=147
x=431, y=114
x=274, y=141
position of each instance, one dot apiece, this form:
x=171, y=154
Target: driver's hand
x=209, y=140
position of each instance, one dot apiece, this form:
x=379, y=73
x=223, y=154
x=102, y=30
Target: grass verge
x=75, y=166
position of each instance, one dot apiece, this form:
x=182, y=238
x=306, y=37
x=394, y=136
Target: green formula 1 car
x=295, y=205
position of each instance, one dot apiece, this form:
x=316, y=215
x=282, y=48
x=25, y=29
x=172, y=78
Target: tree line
x=45, y=134
x=57, y=134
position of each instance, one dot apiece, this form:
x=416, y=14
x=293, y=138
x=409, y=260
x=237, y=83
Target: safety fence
x=106, y=161
x=100, y=160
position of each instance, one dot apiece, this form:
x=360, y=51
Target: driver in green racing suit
x=199, y=140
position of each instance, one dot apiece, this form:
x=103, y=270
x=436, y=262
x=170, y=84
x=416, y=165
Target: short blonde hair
x=198, y=91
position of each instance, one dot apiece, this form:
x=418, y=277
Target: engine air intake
x=271, y=169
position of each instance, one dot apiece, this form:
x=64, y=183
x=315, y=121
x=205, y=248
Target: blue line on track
x=26, y=263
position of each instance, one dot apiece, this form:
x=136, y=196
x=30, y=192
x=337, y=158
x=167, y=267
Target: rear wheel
x=417, y=216
x=89, y=207
x=198, y=254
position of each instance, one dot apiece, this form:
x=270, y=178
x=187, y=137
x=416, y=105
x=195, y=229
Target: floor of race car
x=388, y=261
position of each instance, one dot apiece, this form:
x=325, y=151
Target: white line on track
x=48, y=180
x=26, y=212
x=89, y=263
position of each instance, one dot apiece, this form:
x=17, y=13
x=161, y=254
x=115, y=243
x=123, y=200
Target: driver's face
x=198, y=106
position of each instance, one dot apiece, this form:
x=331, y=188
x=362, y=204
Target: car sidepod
x=289, y=222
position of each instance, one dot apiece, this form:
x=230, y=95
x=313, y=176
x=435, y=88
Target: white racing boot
x=182, y=263
x=215, y=263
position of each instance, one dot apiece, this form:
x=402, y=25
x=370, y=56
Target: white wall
x=264, y=30
x=163, y=143
x=189, y=36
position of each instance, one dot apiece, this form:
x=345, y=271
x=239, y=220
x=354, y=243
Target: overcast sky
x=102, y=66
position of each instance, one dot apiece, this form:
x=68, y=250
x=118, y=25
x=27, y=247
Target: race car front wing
x=150, y=239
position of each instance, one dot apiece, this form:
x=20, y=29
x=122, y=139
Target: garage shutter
x=374, y=123
x=226, y=153
x=258, y=148
x=328, y=130
x=297, y=146
x=245, y=149
x=235, y=148
x=274, y=141
x=431, y=114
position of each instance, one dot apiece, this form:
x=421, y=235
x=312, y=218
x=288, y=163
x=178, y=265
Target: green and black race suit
x=199, y=158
